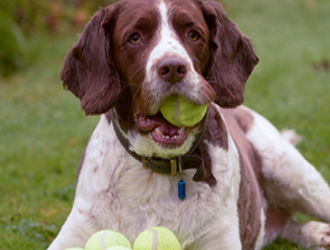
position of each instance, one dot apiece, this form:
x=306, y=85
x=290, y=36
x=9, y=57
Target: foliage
x=19, y=19
x=12, y=42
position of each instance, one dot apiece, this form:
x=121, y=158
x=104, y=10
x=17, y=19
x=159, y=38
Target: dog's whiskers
x=137, y=71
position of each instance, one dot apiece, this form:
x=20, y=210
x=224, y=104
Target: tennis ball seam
x=154, y=239
x=177, y=111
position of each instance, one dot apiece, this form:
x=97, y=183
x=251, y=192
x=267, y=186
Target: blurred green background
x=43, y=131
x=21, y=19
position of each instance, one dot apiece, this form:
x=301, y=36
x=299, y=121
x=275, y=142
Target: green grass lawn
x=43, y=131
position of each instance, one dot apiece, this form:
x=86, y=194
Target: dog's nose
x=171, y=69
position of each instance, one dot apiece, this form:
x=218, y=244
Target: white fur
x=310, y=235
x=115, y=191
x=262, y=232
x=290, y=136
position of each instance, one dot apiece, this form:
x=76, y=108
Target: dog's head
x=134, y=53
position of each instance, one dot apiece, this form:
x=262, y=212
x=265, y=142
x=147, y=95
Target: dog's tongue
x=148, y=123
x=162, y=132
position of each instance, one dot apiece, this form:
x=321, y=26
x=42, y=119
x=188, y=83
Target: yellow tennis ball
x=119, y=248
x=159, y=238
x=104, y=239
x=181, y=112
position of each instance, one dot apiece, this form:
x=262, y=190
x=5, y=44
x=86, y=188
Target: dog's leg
x=290, y=182
x=75, y=232
x=294, y=184
x=311, y=235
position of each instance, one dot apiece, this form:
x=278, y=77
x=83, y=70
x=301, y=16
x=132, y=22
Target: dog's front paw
x=325, y=239
x=317, y=234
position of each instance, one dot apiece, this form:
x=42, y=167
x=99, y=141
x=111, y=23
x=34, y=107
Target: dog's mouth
x=162, y=132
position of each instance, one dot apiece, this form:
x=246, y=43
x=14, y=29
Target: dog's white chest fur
x=120, y=194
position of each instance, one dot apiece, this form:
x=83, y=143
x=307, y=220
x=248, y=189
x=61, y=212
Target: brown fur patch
x=89, y=71
x=232, y=57
x=216, y=134
x=239, y=121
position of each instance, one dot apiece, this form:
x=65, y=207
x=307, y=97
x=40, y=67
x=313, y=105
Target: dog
x=244, y=180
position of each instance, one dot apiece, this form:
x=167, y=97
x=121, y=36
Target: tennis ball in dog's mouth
x=180, y=112
x=159, y=238
x=105, y=239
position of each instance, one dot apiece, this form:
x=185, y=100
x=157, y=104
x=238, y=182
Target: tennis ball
x=104, y=239
x=159, y=238
x=119, y=248
x=181, y=112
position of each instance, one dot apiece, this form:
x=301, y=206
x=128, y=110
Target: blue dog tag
x=182, y=189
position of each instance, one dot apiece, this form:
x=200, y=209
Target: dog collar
x=167, y=166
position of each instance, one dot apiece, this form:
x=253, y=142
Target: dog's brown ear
x=232, y=57
x=89, y=71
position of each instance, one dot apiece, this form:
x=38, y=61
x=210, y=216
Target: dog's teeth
x=175, y=137
x=159, y=132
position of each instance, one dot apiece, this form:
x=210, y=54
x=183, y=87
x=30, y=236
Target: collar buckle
x=145, y=163
x=176, y=165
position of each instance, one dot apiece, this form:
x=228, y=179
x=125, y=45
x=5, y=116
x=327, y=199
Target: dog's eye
x=135, y=39
x=193, y=36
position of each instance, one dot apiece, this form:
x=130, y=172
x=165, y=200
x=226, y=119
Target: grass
x=43, y=131
x=42, y=134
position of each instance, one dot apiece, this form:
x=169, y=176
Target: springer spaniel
x=244, y=180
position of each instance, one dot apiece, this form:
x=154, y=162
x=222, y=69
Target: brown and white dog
x=244, y=180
